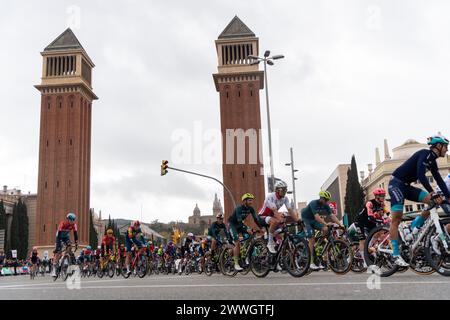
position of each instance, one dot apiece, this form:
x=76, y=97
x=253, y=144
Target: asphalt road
x=319, y=285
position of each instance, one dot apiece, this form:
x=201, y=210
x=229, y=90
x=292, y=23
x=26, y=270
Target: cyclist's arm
x=440, y=182
x=319, y=219
x=421, y=170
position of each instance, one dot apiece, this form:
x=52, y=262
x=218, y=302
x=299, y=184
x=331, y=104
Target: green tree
x=2, y=215
x=23, y=230
x=354, y=197
x=93, y=237
x=14, y=231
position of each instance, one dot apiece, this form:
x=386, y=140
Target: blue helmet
x=88, y=248
x=71, y=216
x=434, y=140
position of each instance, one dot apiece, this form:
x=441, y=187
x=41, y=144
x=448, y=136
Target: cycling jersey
x=315, y=207
x=214, y=230
x=64, y=229
x=416, y=167
x=447, y=182
x=241, y=213
x=109, y=241
x=34, y=257
x=373, y=210
x=273, y=202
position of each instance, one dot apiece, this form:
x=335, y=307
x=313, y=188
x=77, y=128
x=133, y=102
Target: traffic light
x=164, y=166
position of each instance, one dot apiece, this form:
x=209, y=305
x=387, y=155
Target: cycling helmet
x=219, y=216
x=247, y=196
x=110, y=232
x=135, y=223
x=99, y=247
x=88, y=248
x=280, y=185
x=34, y=248
x=190, y=234
x=379, y=192
x=71, y=216
x=325, y=194
x=434, y=140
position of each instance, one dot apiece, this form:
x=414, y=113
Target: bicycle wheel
x=420, y=265
x=260, y=259
x=100, y=271
x=226, y=263
x=110, y=269
x=378, y=239
x=435, y=253
x=141, y=267
x=64, y=268
x=339, y=257
x=299, y=259
x=358, y=260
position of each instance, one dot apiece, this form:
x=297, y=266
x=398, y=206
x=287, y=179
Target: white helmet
x=280, y=184
x=190, y=234
x=99, y=247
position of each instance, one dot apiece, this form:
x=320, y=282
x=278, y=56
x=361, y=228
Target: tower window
x=239, y=94
x=227, y=95
x=231, y=174
x=243, y=174
x=44, y=227
x=251, y=93
x=59, y=141
x=47, y=143
x=48, y=106
x=71, y=104
x=256, y=174
x=60, y=105
x=70, y=141
x=45, y=184
x=57, y=184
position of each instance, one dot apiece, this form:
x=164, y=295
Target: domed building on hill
x=197, y=218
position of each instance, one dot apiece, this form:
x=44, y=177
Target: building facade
x=336, y=184
x=10, y=197
x=197, y=219
x=238, y=83
x=380, y=175
x=65, y=138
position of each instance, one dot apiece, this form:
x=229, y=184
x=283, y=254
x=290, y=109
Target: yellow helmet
x=110, y=232
x=247, y=196
x=325, y=194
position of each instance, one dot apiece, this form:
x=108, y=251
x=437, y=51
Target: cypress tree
x=23, y=229
x=354, y=197
x=15, y=240
x=93, y=237
x=2, y=215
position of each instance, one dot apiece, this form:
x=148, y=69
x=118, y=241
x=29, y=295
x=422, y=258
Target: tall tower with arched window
x=65, y=138
x=238, y=83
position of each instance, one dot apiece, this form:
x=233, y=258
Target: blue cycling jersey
x=416, y=167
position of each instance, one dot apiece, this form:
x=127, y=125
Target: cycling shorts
x=400, y=191
x=129, y=243
x=60, y=241
x=235, y=230
x=310, y=226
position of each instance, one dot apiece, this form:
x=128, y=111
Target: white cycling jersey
x=273, y=202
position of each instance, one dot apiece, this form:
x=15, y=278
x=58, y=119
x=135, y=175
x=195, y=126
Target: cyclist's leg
x=234, y=233
x=128, y=246
x=397, y=192
x=419, y=195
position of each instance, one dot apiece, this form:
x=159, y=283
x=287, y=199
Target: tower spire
x=387, y=156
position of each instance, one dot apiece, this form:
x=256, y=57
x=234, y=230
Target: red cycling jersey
x=108, y=241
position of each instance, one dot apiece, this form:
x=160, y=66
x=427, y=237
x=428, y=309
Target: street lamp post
x=267, y=61
x=293, y=171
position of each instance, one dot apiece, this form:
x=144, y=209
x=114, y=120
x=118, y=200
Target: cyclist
x=270, y=214
x=46, y=261
x=187, y=244
x=237, y=225
x=108, y=244
x=373, y=213
x=400, y=189
x=87, y=257
x=311, y=216
x=34, y=259
x=63, y=237
x=215, y=229
x=131, y=238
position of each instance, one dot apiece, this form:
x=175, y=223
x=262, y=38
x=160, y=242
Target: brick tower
x=238, y=84
x=65, y=138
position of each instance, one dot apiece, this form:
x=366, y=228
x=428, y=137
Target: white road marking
x=219, y=285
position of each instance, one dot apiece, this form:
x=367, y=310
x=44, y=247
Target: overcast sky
x=355, y=72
